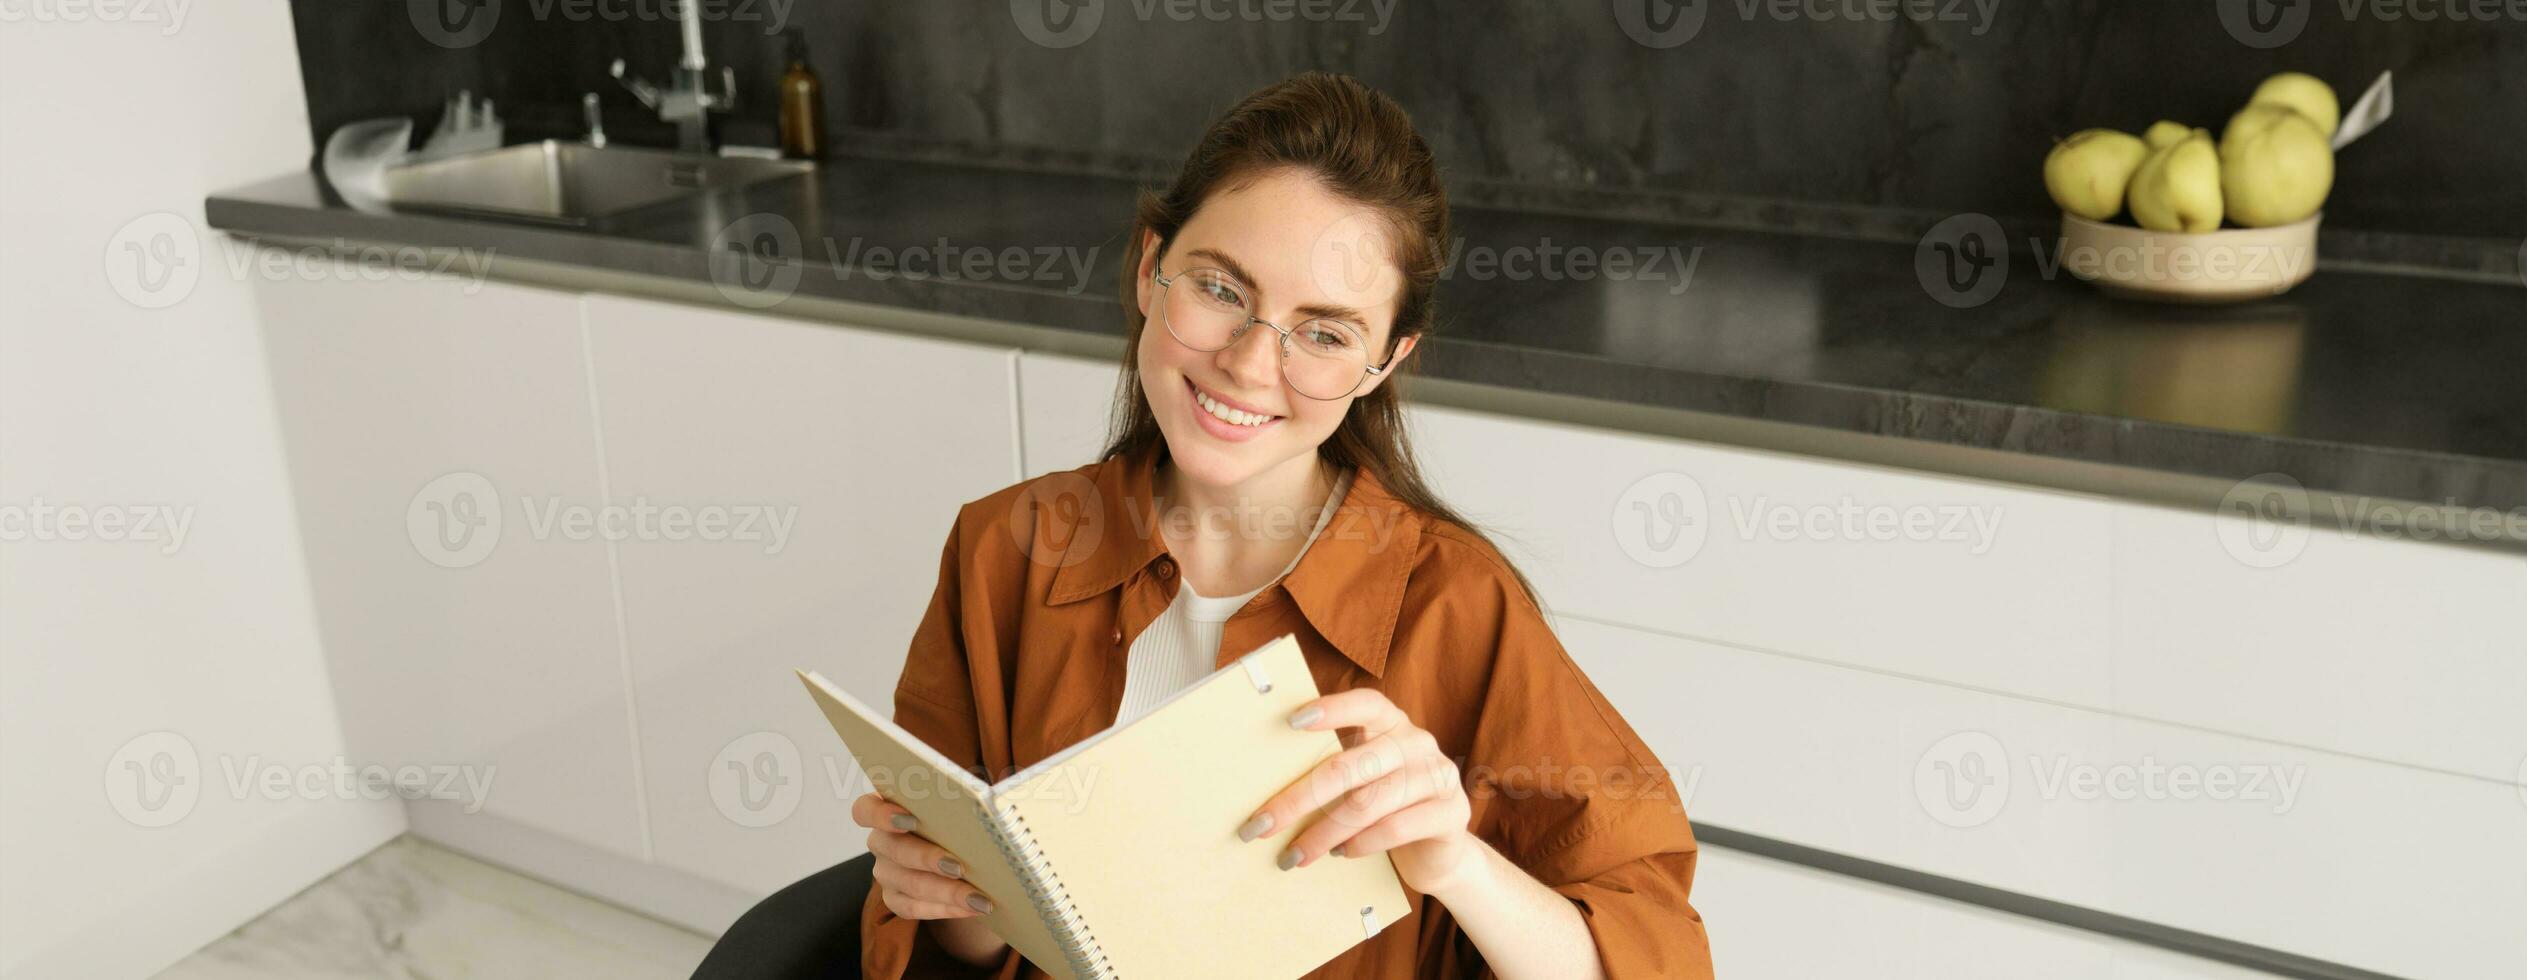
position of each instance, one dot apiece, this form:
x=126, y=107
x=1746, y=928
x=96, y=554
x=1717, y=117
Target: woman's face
x=1295, y=251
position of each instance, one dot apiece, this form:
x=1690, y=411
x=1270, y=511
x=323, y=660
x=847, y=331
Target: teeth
x=1227, y=414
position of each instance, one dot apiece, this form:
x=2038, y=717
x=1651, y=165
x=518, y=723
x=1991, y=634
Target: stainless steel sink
x=571, y=183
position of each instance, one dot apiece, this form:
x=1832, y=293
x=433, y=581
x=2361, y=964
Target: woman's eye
x=1220, y=292
x=1330, y=338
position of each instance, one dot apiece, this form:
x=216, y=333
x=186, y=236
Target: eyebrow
x=1311, y=311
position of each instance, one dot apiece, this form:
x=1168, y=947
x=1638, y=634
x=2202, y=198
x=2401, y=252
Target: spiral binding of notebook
x=1044, y=891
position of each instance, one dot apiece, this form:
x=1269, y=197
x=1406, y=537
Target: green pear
x=2164, y=132
x=2178, y=187
x=2313, y=98
x=2276, y=166
x=2088, y=172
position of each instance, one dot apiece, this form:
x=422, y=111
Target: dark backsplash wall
x=1948, y=113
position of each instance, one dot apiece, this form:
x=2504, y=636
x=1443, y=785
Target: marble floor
x=412, y=910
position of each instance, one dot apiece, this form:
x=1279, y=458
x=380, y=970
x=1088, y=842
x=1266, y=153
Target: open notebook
x=1119, y=857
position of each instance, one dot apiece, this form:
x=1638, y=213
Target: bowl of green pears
x=2176, y=215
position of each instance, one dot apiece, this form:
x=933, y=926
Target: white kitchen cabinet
x=1065, y=404
x=426, y=424
x=1984, y=585
x=849, y=451
x=2158, y=822
x=2409, y=651
x=1766, y=917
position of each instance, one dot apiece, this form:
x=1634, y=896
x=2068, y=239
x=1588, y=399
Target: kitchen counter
x=2358, y=384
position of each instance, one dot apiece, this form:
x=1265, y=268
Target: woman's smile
x=1224, y=418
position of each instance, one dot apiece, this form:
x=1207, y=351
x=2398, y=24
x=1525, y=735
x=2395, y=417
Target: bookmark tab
x=1255, y=674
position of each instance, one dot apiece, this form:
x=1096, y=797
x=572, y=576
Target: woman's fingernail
x=1257, y=827
x=950, y=868
x=903, y=821
x=1289, y=859
x=1306, y=716
x=978, y=903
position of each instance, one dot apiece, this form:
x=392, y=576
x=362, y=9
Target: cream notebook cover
x=1118, y=857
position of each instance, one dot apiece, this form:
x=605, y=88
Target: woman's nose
x=1254, y=358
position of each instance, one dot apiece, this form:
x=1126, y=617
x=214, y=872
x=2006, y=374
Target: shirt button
x=1166, y=567
x=1118, y=634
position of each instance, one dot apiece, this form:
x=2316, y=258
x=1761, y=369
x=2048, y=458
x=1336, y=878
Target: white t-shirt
x=1182, y=644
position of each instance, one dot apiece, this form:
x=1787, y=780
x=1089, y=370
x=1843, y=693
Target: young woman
x=1259, y=483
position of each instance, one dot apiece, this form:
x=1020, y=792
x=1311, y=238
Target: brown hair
x=1362, y=146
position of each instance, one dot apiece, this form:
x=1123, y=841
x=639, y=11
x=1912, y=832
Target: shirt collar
x=1349, y=583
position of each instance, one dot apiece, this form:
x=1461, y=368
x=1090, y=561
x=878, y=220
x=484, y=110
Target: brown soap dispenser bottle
x=802, y=105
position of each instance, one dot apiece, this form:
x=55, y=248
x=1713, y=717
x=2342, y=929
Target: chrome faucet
x=687, y=101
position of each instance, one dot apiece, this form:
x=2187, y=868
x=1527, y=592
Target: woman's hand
x=921, y=880
x=1392, y=790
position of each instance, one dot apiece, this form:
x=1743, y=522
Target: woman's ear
x=1403, y=349
x=1143, y=287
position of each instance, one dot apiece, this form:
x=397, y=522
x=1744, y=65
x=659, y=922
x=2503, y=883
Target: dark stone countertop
x=2358, y=383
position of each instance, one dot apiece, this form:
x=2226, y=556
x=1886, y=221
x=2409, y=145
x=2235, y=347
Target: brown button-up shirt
x=1044, y=585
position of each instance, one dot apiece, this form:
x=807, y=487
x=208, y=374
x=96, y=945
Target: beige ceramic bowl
x=2231, y=265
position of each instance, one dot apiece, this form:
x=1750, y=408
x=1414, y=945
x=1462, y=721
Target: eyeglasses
x=1322, y=359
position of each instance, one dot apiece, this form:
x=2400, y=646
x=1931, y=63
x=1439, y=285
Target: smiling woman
x=1259, y=482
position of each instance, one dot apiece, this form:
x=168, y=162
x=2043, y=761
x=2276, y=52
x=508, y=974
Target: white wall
x=110, y=404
